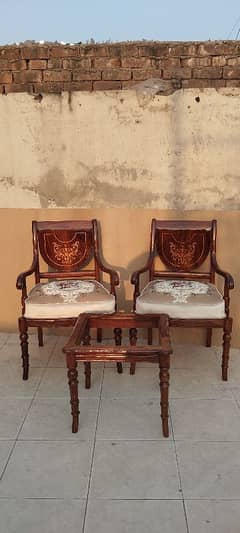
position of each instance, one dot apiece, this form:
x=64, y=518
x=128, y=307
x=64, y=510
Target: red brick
x=63, y=51
x=35, y=52
x=233, y=83
x=196, y=62
x=136, y=62
x=233, y=61
x=208, y=72
x=219, y=61
x=86, y=75
x=19, y=88
x=57, y=75
x=106, y=62
x=141, y=75
x=116, y=74
x=94, y=51
x=27, y=76
x=55, y=63
x=179, y=73
x=107, y=85
x=128, y=84
x=78, y=86
x=166, y=62
x=49, y=87
x=37, y=64
x=10, y=52
x=202, y=84
x=180, y=49
x=127, y=50
x=221, y=48
x=231, y=72
x=152, y=50
x=5, y=77
x=2, y=89
x=81, y=62
x=11, y=64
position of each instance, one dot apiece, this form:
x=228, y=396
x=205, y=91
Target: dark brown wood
x=133, y=342
x=67, y=248
x=118, y=341
x=76, y=350
x=182, y=246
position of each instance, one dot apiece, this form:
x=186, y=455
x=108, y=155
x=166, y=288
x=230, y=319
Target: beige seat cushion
x=68, y=298
x=181, y=299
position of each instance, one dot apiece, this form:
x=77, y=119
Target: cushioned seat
x=68, y=298
x=181, y=299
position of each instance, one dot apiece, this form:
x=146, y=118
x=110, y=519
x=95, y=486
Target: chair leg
x=99, y=335
x=40, y=336
x=209, y=337
x=226, y=347
x=87, y=367
x=23, y=334
x=164, y=365
x=73, y=386
x=118, y=342
x=150, y=336
x=133, y=342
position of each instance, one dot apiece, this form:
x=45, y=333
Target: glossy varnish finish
x=67, y=248
x=78, y=349
x=182, y=247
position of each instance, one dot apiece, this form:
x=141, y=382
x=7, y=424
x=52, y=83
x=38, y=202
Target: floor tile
x=193, y=356
x=188, y=383
x=3, y=338
x=126, y=419
x=135, y=470
x=144, y=383
x=209, y=470
x=55, y=383
x=50, y=419
x=121, y=516
x=5, y=450
x=12, y=414
x=12, y=384
x=213, y=516
x=43, y=469
x=38, y=356
x=210, y=420
x=41, y=516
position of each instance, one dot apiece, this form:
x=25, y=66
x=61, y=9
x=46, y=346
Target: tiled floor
x=118, y=474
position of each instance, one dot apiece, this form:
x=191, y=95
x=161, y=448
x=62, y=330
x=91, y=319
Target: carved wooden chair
x=63, y=288
x=181, y=269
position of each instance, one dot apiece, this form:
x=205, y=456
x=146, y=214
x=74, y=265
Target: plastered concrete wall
x=121, y=149
x=125, y=237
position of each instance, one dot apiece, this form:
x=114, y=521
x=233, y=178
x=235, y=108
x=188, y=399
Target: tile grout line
x=21, y=426
x=179, y=475
x=93, y=452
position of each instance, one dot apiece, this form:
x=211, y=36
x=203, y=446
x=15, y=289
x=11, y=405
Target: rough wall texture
x=56, y=68
x=121, y=149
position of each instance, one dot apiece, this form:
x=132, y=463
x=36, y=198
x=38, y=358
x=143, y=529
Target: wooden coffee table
x=78, y=349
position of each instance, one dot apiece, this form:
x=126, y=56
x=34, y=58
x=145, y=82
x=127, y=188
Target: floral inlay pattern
x=182, y=254
x=68, y=290
x=66, y=253
x=180, y=290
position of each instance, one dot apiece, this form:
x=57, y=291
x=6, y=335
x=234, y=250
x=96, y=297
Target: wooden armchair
x=63, y=288
x=181, y=268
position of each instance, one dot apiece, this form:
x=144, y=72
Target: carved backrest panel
x=183, y=249
x=66, y=250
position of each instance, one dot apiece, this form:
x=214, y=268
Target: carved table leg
x=209, y=337
x=226, y=347
x=24, y=346
x=150, y=336
x=73, y=386
x=133, y=342
x=99, y=335
x=118, y=342
x=40, y=336
x=164, y=365
x=87, y=366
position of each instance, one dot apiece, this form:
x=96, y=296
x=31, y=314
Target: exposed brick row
x=57, y=68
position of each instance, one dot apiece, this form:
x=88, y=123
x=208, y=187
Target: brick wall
x=56, y=68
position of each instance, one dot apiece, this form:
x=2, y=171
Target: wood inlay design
x=65, y=250
x=184, y=249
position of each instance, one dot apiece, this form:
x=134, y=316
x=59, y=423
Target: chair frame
x=176, y=272
x=90, y=229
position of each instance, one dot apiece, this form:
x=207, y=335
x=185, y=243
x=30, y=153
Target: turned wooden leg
x=99, y=335
x=150, y=336
x=87, y=367
x=118, y=342
x=40, y=336
x=209, y=337
x=73, y=386
x=24, y=346
x=164, y=365
x=226, y=347
x=133, y=342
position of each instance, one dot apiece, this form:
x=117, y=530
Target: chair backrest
x=183, y=246
x=67, y=247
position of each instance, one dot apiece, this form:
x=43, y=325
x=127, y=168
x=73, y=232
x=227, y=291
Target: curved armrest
x=114, y=277
x=21, y=279
x=229, y=281
x=135, y=275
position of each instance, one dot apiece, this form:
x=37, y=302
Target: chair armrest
x=229, y=281
x=21, y=279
